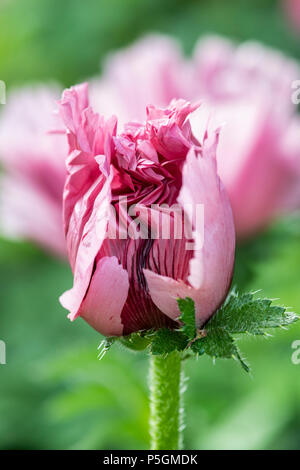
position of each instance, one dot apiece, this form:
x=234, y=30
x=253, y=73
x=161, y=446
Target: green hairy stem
x=166, y=411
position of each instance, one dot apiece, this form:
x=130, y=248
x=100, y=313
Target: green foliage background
x=54, y=393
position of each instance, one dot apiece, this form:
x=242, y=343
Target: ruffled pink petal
x=90, y=242
x=106, y=296
x=169, y=132
x=89, y=136
x=164, y=291
x=74, y=101
x=212, y=263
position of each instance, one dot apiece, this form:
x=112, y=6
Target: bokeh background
x=54, y=393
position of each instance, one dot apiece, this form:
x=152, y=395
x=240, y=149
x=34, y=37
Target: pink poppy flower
x=33, y=161
x=249, y=87
x=130, y=282
x=152, y=70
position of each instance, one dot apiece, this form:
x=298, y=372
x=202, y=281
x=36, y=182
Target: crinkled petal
x=212, y=263
x=106, y=296
x=92, y=237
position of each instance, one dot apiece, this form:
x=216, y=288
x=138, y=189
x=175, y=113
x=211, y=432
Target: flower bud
x=131, y=199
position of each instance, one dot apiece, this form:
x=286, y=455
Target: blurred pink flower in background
x=152, y=70
x=248, y=88
x=33, y=161
x=292, y=10
x=153, y=163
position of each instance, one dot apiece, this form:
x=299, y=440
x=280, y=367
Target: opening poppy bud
x=146, y=218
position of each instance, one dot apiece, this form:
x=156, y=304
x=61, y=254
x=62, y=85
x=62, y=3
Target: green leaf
x=165, y=341
x=187, y=317
x=218, y=344
x=246, y=314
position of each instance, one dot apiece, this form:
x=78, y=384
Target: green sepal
x=218, y=344
x=166, y=341
x=238, y=315
x=187, y=317
x=246, y=314
x=136, y=341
